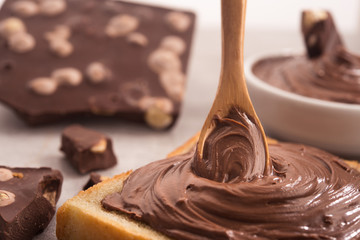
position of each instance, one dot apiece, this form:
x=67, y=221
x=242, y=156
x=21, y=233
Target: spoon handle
x=232, y=81
x=232, y=90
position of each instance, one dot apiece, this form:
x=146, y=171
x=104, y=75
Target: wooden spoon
x=232, y=91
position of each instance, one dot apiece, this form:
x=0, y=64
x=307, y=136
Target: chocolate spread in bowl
x=328, y=71
x=309, y=194
x=333, y=78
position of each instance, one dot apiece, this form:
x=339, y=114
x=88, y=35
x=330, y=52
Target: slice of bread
x=83, y=218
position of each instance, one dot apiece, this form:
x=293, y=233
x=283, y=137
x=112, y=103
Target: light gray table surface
x=135, y=145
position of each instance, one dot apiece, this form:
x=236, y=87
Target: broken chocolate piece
x=95, y=178
x=87, y=150
x=129, y=43
x=320, y=33
x=27, y=201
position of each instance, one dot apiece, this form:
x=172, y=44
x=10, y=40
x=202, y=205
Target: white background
x=279, y=14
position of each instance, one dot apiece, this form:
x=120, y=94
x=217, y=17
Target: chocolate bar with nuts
x=87, y=150
x=74, y=58
x=28, y=198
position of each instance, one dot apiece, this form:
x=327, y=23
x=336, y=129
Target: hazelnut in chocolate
x=66, y=58
x=28, y=199
x=87, y=150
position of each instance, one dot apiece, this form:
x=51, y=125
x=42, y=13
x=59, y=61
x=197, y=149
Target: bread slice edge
x=83, y=217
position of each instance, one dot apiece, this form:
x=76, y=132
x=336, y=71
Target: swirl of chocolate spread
x=309, y=194
x=328, y=72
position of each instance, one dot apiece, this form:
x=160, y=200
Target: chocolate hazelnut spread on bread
x=328, y=71
x=308, y=194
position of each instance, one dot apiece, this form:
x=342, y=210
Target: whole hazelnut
x=173, y=82
x=43, y=86
x=25, y=8
x=67, y=76
x=52, y=7
x=97, y=72
x=121, y=25
x=178, y=21
x=60, y=31
x=137, y=39
x=21, y=42
x=6, y=198
x=163, y=103
x=157, y=118
x=10, y=26
x=174, y=44
x=5, y=174
x=162, y=60
x=61, y=47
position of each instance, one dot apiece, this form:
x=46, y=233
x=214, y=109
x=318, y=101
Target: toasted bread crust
x=186, y=147
x=353, y=164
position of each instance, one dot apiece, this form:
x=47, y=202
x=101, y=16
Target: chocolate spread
x=327, y=72
x=330, y=77
x=308, y=194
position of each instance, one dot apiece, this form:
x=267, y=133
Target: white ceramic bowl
x=331, y=126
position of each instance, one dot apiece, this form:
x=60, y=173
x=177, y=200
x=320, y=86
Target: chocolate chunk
x=87, y=150
x=113, y=44
x=95, y=178
x=27, y=200
x=320, y=33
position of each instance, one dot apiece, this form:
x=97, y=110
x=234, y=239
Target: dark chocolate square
x=87, y=150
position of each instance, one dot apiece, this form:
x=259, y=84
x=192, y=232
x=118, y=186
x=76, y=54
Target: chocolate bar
x=95, y=178
x=75, y=58
x=28, y=198
x=87, y=150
